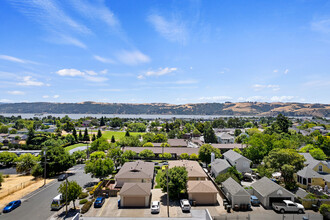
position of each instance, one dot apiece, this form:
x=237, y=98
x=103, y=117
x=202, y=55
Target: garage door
x=134, y=201
x=277, y=199
x=204, y=199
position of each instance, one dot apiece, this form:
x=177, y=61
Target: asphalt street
x=10, y=170
x=36, y=205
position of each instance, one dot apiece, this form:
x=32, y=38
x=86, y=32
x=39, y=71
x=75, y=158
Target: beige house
x=202, y=192
x=195, y=171
x=135, y=195
x=135, y=172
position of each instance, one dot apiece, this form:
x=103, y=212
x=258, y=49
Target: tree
x=165, y=145
x=209, y=136
x=79, y=155
x=102, y=123
x=99, y=133
x=86, y=136
x=184, y=156
x=165, y=156
x=224, y=176
x=70, y=191
x=237, y=132
x=116, y=122
x=100, y=144
x=287, y=161
x=99, y=168
x=58, y=160
x=281, y=124
x=7, y=158
x=80, y=137
x=132, y=141
x=70, y=138
x=318, y=154
x=113, y=140
x=12, y=131
x=193, y=156
x=129, y=154
x=159, y=138
x=148, y=144
x=97, y=155
x=205, y=153
x=116, y=154
x=30, y=135
x=196, y=133
x=1, y=179
x=25, y=163
x=74, y=133
x=237, y=150
x=93, y=137
x=325, y=210
x=264, y=171
x=37, y=170
x=145, y=154
x=68, y=126
x=177, y=181
x=127, y=134
x=3, y=129
x=137, y=127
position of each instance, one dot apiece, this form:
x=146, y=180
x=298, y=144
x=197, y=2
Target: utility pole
x=168, y=199
x=66, y=194
x=45, y=168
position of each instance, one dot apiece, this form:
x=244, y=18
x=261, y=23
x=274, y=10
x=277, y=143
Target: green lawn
x=67, y=149
x=119, y=134
x=158, y=178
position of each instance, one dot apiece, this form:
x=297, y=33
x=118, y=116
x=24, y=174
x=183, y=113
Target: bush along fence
x=104, y=188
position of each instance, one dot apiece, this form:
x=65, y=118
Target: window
x=320, y=168
x=304, y=181
x=309, y=180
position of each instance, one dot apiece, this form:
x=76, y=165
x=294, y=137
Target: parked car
x=165, y=163
x=99, y=202
x=185, y=205
x=155, y=207
x=11, y=206
x=57, y=203
x=254, y=201
x=62, y=177
x=288, y=206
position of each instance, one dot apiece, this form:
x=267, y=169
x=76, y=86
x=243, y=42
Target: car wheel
x=282, y=211
x=300, y=211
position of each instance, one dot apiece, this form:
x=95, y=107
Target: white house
x=225, y=138
x=241, y=163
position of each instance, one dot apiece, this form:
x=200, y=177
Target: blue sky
x=165, y=51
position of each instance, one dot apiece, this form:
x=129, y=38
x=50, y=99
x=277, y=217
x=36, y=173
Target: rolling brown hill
x=235, y=109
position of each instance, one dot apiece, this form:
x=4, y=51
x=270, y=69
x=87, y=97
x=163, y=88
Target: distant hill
x=235, y=109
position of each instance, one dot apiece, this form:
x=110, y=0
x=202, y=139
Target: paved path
x=36, y=205
x=77, y=149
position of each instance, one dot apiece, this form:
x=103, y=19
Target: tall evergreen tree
x=93, y=137
x=102, y=123
x=113, y=139
x=86, y=136
x=74, y=133
x=80, y=137
x=127, y=134
x=99, y=134
x=209, y=136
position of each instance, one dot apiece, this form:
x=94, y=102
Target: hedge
x=86, y=207
x=83, y=201
x=83, y=195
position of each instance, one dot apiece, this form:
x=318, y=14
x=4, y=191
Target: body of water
x=144, y=116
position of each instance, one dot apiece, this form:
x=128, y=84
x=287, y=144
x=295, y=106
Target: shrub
x=86, y=207
x=325, y=209
x=83, y=195
x=83, y=201
x=157, y=167
x=89, y=188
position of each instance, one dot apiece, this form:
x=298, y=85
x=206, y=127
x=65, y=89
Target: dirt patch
x=16, y=180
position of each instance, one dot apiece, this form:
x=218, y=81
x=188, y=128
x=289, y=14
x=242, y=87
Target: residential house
x=86, y=123
x=195, y=171
x=225, y=138
x=241, y=163
x=136, y=172
x=202, y=192
x=219, y=166
x=135, y=195
x=177, y=142
x=267, y=191
x=226, y=147
x=175, y=151
x=235, y=193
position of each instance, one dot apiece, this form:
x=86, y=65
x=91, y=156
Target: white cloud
x=161, y=71
x=103, y=59
x=173, y=30
x=28, y=81
x=5, y=100
x=258, y=87
x=140, y=77
x=56, y=96
x=281, y=98
x=286, y=71
x=89, y=75
x=45, y=96
x=322, y=26
x=70, y=72
x=16, y=92
x=105, y=71
x=12, y=59
x=275, y=71
x=132, y=57
x=252, y=99
x=215, y=98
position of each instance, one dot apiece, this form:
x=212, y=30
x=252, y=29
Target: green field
x=119, y=134
x=67, y=149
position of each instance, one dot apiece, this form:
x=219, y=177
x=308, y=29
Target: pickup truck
x=288, y=206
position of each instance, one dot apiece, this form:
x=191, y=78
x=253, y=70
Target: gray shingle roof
x=308, y=172
x=233, y=187
x=308, y=157
x=224, y=136
x=233, y=156
x=137, y=169
x=135, y=189
x=220, y=165
x=265, y=186
x=301, y=193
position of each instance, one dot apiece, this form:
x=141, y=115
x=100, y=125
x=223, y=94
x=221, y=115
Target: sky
x=130, y=51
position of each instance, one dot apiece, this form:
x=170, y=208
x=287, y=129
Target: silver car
x=185, y=205
x=155, y=207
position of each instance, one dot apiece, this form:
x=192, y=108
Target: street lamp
x=45, y=167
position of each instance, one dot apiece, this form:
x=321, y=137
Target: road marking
x=100, y=213
x=47, y=186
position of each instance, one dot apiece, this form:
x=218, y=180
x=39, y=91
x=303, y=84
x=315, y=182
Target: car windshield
x=10, y=204
x=154, y=206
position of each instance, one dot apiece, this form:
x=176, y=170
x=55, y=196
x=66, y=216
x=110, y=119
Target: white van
x=57, y=203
